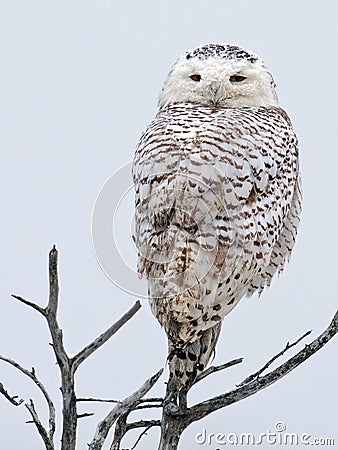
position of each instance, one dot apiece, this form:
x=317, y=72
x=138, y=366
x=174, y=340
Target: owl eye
x=196, y=77
x=237, y=78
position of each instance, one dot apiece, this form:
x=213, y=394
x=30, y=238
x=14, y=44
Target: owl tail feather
x=187, y=362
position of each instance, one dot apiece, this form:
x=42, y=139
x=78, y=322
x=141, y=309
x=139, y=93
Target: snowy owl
x=218, y=197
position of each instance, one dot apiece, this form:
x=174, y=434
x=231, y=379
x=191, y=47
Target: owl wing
x=282, y=249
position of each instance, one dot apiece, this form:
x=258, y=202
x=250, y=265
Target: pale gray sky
x=78, y=82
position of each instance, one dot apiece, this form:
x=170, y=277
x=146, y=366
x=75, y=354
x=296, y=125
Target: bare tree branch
x=31, y=374
x=31, y=304
x=146, y=403
x=103, y=338
x=67, y=365
x=9, y=398
x=99, y=400
x=120, y=431
x=81, y=416
x=126, y=405
x=143, y=423
x=213, y=369
x=41, y=429
x=51, y=312
x=255, y=375
x=122, y=428
x=176, y=418
x=148, y=406
x=151, y=399
x=203, y=409
x=69, y=415
x=53, y=301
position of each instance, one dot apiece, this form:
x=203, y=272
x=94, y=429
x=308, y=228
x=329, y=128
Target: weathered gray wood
x=32, y=375
x=104, y=337
x=176, y=418
x=67, y=366
x=41, y=429
x=176, y=415
x=122, y=408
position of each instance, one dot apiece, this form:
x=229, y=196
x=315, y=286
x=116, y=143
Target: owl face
x=219, y=75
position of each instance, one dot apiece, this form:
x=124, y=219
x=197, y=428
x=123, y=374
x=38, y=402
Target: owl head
x=219, y=75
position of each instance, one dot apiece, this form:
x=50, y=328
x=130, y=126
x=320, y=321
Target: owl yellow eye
x=196, y=77
x=237, y=78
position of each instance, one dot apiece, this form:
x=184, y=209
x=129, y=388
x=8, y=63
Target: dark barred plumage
x=222, y=51
x=217, y=209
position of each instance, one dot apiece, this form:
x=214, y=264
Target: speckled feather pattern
x=218, y=204
x=242, y=166
x=225, y=51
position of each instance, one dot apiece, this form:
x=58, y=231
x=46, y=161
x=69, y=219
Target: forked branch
x=174, y=420
x=32, y=375
x=257, y=383
x=256, y=375
x=67, y=365
x=11, y=399
x=123, y=408
x=41, y=429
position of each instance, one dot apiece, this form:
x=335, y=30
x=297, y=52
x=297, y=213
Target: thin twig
x=99, y=400
x=144, y=432
x=10, y=398
x=126, y=405
x=122, y=428
x=143, y=423
x=255, y=375
x=31, y=304
x=148, y=406
x=80, y=416
x=41, y=429
x=213, y=369
x=32, y=375
x=103, y=338
x=151, y=399
x=152, y=402
x=203, y=409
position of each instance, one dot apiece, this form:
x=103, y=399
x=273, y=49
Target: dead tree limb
x=122, y=427
x=104, y=337
x=120, y=431
x=256, y=375
x=146, y=424
x=98, y=400
x=41, y=429
x=213, y=369
x=31, y=304
x=123, y=408
x=66, y=364
x=32, y=375
x=11, y=399
x=176, y=420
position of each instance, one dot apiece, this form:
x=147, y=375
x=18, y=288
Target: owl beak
x=215, y=95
